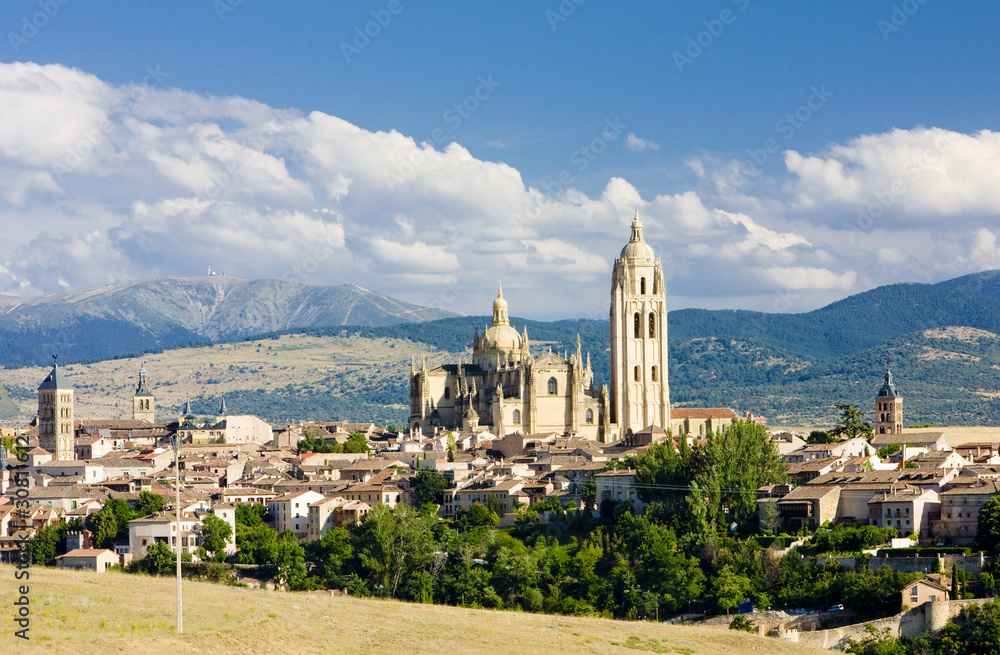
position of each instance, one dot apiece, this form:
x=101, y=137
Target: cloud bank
x=103, y=184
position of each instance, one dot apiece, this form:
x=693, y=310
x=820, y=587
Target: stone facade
x=640, y=393
x=505, y=389
x=55, y=416
x=888, y=408
x=509, y=390
x=143, y=402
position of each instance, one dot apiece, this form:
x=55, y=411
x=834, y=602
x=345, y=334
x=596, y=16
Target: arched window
x=590, y=416
x=447, y=392
x=553, y=387
x=635, y=373
x=652, y=325
x=642, y=286
x=638, y=326
x=653, y=374
x=517, y=416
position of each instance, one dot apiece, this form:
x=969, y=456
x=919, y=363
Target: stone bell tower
x=143, y=403
x=640, y=394
x=55, y=415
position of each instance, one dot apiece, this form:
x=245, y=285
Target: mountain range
x=941, y=339
x=118, y=319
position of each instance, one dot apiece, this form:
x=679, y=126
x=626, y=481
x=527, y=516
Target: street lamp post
x=175, y=441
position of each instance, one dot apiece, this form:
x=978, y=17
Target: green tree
x=289, y=557
x=427, y=486
x=771, y=521
x=43, y=546
x=394, y=543
x=661, y=475
x=332, y=551
x=479, y=515
x=256, y=545
x=148, y=503
x=104, y=527
x=251, y=515
x=819, y=436
x=734, y=463
x=159, y=560
x=493, y=504
x=356, y=443
x=215, y=532
x=729, y=588
x=989, y=524
x=852, y=424
x=876, y=642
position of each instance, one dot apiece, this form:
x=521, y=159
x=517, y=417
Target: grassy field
x=104, y=389
x=81, y=613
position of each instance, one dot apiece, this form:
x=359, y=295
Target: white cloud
x=920, y=172
x=635, y=144
x=100, y=183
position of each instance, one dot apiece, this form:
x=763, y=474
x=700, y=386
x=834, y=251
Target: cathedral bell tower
x=640, y=394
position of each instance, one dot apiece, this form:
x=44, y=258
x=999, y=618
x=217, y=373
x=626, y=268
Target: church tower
x=888, y=407
x=640, y=395
x=143, y=403
x=55, y=416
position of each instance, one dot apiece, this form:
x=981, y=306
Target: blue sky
x=867, y=130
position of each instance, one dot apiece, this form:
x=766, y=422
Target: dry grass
x=82, y=613
x=104, y=389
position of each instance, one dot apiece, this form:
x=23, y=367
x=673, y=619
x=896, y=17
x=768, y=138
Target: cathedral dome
x=637, y=248
x=500, y=336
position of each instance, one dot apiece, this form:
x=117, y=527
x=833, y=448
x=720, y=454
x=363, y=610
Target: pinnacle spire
x=636, y=227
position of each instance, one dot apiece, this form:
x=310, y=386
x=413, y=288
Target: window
x=653, y=374
x=656, y=287
x=652, y=325
x=635, y=373
x=590, y=416
x=517, y=416
x=638, y=326
x=447, y=392
x=642, y=286
x=553, y=387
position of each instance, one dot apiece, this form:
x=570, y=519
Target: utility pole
x=175, y=441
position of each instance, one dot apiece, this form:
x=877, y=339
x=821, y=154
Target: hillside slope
x=122, y=319
x=82, y=613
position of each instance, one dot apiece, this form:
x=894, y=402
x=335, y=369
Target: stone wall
x=970, y=563
x=911, y=623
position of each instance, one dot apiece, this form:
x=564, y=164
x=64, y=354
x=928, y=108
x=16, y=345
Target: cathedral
x=507, y=389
